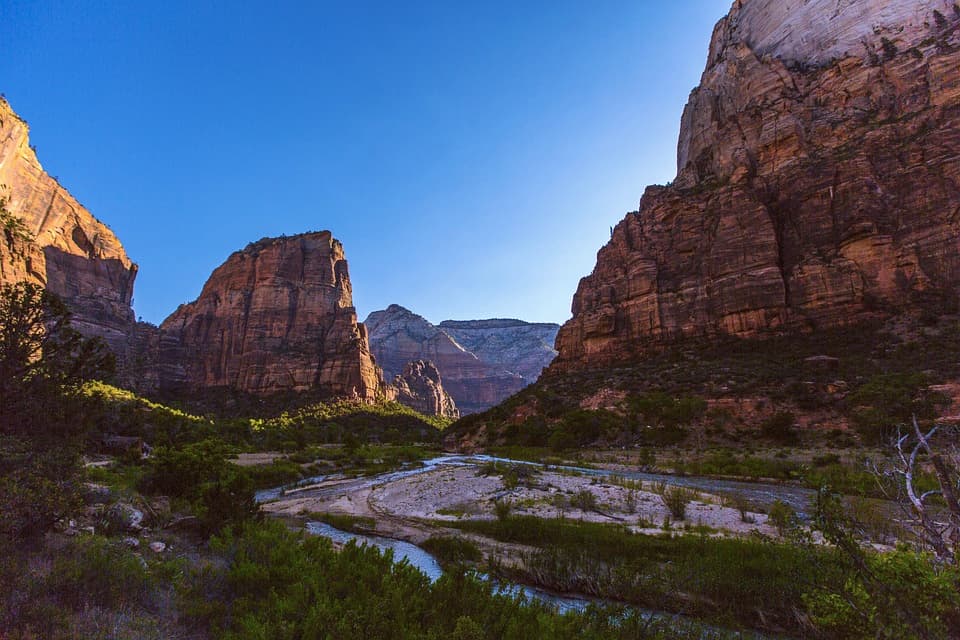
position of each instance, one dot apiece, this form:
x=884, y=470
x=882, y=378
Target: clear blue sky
x=471, y=156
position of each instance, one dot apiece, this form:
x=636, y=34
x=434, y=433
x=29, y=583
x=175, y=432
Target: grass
x=752, y=583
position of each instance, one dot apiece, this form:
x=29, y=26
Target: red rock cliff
x=60, y=244
x=818, y=184
x=277, y=316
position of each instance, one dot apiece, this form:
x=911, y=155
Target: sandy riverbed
x=451, y=493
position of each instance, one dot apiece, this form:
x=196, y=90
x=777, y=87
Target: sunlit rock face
x=59, y=244
x=482, y=362
x=276, y=316
x=419, y=386
x=818, y=185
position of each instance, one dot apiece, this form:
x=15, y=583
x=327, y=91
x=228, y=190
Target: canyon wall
x=482, y=362
x=276, y=316
x=419, y=387
x=818, y=185
x=50, y=239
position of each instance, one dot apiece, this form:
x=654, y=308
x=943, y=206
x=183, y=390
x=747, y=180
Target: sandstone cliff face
x=818, y=184
x=64, y=248
x=507, y=359
x=524, y=348
x=420, y=388
x=277, y=316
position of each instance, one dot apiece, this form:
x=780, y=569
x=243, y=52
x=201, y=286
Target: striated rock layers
x=276, y=316
x=48, y=238
x=496, y=359
x=818, y=185
x=525, y=348
x=420, y=388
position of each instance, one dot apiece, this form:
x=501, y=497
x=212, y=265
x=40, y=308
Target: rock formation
x=818, y=185
x=276, y=316
x=509, y=353
x=420, y=388
x=48, y=238
x=525, y=348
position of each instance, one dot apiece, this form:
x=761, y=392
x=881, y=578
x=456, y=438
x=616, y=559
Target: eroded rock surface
x=419, y=387
x=495, y=359
x=818, y=185
x=276, y=316
x=58, y=243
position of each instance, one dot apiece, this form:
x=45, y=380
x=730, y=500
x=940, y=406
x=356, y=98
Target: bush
x=219, y=492
x=782, y=516
x=779, y=427
x=676, y=500
x=889, y=399
x=584, y=500
x=449, y=549
x=43, y=416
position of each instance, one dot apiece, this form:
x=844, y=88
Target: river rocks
x=276, y=316
x=94, y=493
x=481, y=362
x=55, y=242
x=121, y=516
x=818, y=185
x=420, y=387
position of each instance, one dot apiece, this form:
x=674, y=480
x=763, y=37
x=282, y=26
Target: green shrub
x=676, y=500
x=453, y=550
x=783, y=516
x=584, y=500
x=780, y=427
x=890, y=399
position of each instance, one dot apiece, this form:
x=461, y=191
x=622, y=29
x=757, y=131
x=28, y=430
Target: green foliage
x=43, y=417
x=220, y=493
x=502, y=509
x=449, y=549
x=726, y=462
x=82, y=574
x=11, y=225
x=783, y=516
x=344, y=522
x=272, y=583
x=676, y=499
x=872, y=600
x=659, y=408
x=584, y=500
x=735, y=582
x=37, y=485
x=889, y=399
x=900, y=594
x=779, y=427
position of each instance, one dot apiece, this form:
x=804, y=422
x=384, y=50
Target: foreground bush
x=273, y=583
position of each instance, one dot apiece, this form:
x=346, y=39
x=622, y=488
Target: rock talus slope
x=64, y=248
x=419, y=387
x=276, y=316
x=818, y=185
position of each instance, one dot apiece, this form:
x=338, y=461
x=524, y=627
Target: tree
x=931, y=508
x=914, y=591
x=43, y=362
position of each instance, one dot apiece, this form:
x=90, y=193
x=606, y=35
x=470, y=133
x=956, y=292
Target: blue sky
x=472, y=157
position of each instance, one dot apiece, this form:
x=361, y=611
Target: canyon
x=275, y=317
x=482, y=362
x=818, y=186
x=49, y=239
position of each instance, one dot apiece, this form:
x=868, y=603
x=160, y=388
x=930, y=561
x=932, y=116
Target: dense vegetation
x=879, y=379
